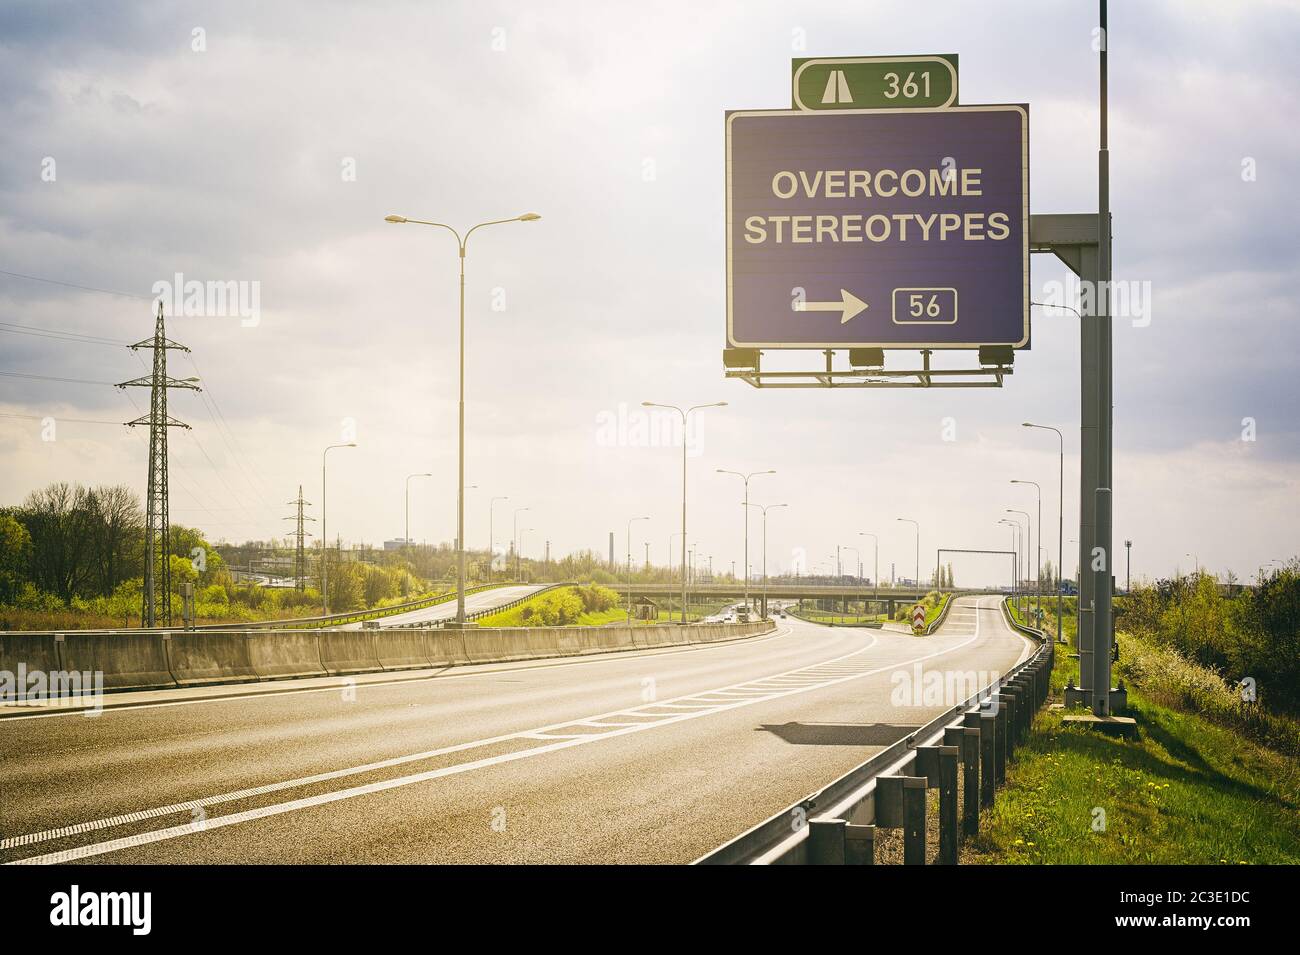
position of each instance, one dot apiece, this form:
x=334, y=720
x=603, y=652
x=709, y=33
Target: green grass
x=826, y=616
x=514, y=617
x=1187, y=792
x=932, y=613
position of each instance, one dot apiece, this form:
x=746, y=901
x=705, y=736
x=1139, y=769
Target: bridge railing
x=963, y=753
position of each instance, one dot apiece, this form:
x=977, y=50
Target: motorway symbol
x=849, y=305
x=837, y=89
x=874, y=82
x=923, y=213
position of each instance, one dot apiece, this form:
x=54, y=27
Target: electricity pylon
x=156, y=601
x=299, y=552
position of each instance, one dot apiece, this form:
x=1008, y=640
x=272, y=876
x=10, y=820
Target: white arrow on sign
x=849, y=304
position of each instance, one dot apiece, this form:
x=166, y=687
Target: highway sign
x=874, y=82
x=898, y=228
x=918, y=618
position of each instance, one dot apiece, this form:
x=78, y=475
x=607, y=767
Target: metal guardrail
x=837, y=824
x=488, y=611
x=354, y=616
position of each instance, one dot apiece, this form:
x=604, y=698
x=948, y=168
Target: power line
x=83, y=288
x=36, y=331
x=75, y=381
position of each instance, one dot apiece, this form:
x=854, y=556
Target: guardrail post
x=826, y=841
x=914, y=820
x=968, y=739
x=1009, y=697
x=985, y=723
x=859, y=845
x=938, y=764
x=1000, y=735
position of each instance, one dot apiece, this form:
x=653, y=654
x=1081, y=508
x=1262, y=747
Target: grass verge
x=1187, y=792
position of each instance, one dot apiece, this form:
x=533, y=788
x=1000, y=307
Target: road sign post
x=895, y=228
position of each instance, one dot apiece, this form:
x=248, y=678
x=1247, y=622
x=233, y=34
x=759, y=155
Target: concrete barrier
x=446, y=648
x=155, y=659
x=502, y=645
x=278, y=654
x=401, y=649
x=27, y=654
x=134, y=661
x=348, y=651
x=197, y=658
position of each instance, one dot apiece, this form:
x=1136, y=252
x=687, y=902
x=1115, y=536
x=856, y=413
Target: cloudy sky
x=264, y=143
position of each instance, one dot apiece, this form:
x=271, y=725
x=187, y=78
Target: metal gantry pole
x=1102, y=618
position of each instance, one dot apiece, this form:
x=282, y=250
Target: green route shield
x=874, y=82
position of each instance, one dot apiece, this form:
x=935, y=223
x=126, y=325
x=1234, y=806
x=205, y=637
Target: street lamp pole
x=685, y=421
x=1038, y=542
x=460, y=470
x=745, y=477
x=1025, y=532
x=1015, y=557
x=908, y=520
x=629, y=564
x=324, y=535
x=875, y=573
x=765, y=508
x=1060, y=523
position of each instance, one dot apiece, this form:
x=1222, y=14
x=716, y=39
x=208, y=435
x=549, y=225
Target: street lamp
x=1038, y=546
x=407, y=539
x=875, y=573
x=514, y=537
x=1025, y=533
x=629, y=564
x=492, y=537
x=460, y=479
x=1060, y=522
x=745, y=510
x=765, y=508
x=1015, y=557
x=908, y=520
x=685, y=420
x=324, y=536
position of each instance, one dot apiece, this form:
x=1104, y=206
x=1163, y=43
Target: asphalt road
x=483, y=600
x=652, y=756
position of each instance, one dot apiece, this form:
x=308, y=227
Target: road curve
x=483, y=600
x=651, y=756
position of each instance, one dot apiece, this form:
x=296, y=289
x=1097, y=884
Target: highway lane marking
x=276, y=809
x=619, y=656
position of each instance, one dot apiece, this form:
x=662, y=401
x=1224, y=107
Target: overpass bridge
x=888, y=598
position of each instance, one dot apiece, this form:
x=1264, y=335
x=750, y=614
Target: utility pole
x=156, y=600
x=299, y=552
x=1128, y=567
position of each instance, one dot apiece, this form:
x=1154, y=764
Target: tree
x=116, y=529
x=59, y=519
x=15, y=552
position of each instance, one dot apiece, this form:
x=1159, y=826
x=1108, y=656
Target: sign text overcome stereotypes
x=877, y=227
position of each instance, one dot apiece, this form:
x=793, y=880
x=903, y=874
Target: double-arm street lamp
x=460, y=474
x=765, y=508
x=686, y=414
x=745, y=477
